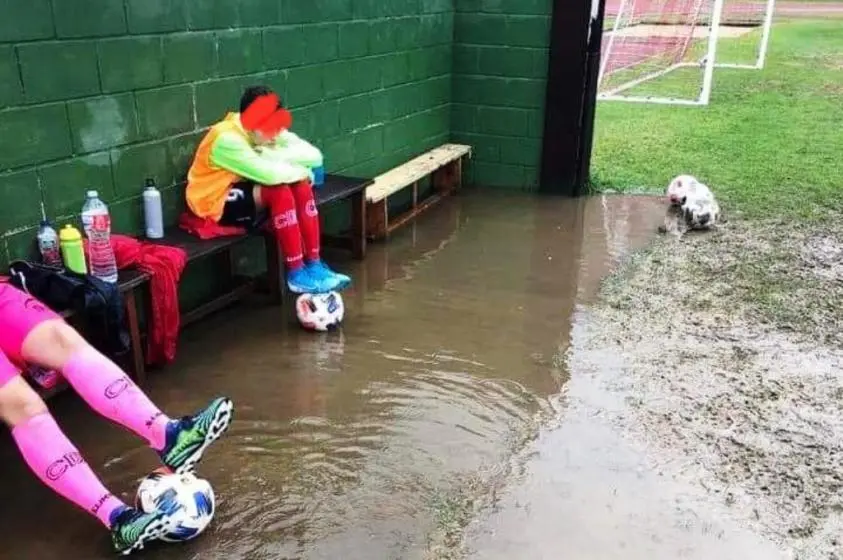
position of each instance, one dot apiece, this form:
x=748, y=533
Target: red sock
x=285, y=224
x=308, y=218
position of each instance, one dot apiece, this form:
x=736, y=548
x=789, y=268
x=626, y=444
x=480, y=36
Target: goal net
x=745, y=33
x=659, y=51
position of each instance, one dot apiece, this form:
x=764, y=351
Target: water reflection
x=343, y=443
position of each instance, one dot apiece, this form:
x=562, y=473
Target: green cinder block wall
x=105, y=93
x=499, y=78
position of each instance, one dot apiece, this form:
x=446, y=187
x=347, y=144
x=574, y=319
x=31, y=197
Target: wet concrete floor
x=345, y=445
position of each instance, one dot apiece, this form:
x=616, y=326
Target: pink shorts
x=19, y=314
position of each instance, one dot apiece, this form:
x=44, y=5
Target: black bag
x=100, y=303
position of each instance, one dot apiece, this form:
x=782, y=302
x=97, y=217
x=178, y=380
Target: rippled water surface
x=353, y=444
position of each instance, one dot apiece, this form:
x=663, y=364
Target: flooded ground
x=708, y=379
x=481, y=402
x=356, y=444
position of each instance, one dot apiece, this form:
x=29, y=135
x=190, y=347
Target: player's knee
x=19, y=402
x=279, y=200
x=52, y=343
x=65, y=337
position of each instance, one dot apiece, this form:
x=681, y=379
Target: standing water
x=371, y=442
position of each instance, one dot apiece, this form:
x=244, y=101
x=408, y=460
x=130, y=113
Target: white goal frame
x=708, y=62
x=761, y=58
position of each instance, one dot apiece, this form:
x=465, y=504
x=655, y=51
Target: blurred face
x=258, y=138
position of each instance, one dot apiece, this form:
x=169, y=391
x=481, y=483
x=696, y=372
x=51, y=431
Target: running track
x=633, y=51
x=783, y=9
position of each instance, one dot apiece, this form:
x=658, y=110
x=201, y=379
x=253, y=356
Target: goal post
x=660, y=51
x=748, y=51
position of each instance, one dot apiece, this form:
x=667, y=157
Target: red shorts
x=19, y=314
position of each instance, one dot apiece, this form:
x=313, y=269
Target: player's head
x=263, y=114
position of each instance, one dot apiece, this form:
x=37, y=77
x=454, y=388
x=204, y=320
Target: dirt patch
x=733, y=371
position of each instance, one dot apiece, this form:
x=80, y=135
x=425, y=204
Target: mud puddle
x=374, y=442
x=709, y=379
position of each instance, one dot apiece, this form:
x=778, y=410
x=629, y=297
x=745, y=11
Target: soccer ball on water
x=320, y=312
x=162, y=489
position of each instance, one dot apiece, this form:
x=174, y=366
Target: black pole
x=595, y=42
x=564, y=98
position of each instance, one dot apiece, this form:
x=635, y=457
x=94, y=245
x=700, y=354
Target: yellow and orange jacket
x=225, y=156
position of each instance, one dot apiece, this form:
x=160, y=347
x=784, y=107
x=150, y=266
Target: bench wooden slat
x=408, y=173
x=198, y=248
x=339, y=187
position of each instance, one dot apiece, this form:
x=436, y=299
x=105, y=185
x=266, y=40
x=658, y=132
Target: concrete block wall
x=104, y=93
x=499, y=76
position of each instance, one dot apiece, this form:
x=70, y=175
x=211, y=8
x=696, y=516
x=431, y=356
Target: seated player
x=249, y=163
x=30, y=333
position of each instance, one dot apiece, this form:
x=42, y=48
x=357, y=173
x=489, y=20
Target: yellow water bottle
x=72, y=249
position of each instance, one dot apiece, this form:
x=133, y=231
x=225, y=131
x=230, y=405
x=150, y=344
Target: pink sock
x=59, y=465
x=109, y=391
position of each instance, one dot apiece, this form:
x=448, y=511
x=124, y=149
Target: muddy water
x=354, y=444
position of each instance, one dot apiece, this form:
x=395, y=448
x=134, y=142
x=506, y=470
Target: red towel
x=164, y=265
x=206, y=228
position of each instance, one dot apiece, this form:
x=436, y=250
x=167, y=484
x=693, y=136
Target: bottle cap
x=92, y=194
x=70, y=233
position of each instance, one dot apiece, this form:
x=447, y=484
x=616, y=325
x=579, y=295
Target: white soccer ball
x=320, y=312
x=194, y=496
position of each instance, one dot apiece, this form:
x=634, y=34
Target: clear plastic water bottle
x=97, y=224
x=48, y=245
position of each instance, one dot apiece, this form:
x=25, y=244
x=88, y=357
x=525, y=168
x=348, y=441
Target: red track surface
x=633, y=51
x=733, y=10
x=629, y=51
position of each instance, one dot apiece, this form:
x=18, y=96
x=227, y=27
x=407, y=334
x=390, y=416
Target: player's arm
x=234, y=153
x=291, y=147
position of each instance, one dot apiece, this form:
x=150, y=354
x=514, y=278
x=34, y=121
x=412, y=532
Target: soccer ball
x=320, y=312
x=194, y=496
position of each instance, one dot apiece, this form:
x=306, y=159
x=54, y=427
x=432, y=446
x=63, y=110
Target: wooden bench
x=336, y=188
x=443, y=163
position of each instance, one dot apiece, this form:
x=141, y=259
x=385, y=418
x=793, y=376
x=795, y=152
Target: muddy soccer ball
x=194, y=496
x=320, y=312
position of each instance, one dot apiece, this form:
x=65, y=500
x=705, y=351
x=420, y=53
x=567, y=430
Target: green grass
x=769, y=142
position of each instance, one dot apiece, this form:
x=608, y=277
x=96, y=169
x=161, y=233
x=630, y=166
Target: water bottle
x=97, y=224
x=72, y=250
x=318, y=176
x=48, y=245
x=153, y=214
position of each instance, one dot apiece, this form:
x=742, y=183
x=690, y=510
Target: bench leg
x=274, y=272
x=448, y=178
x=358, y=225
x=138, y=361
x=377, y=220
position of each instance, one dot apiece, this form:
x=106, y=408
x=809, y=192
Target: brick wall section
x=105, y=93
x=499, y=76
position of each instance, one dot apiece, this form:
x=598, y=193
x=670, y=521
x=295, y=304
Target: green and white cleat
x=189, y=437
x=132, y=529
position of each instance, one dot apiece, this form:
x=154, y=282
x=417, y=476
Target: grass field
x=770, y=141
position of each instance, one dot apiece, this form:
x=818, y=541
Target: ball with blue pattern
x=189, y=497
